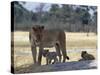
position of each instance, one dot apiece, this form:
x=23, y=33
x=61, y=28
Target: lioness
x=50, y=56
x=43, y=38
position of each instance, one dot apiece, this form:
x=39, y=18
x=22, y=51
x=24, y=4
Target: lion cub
x=86, y=56
x=50, y=56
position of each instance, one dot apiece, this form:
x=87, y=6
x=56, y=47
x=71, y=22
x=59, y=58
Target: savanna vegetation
x=72, y=18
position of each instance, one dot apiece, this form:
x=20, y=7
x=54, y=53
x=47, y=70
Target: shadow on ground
x=77, y=65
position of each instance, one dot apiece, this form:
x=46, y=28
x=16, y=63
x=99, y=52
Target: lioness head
x=38, y=32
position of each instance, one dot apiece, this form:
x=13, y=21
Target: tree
x=22, y=17
x=54, y=11
x=40, y=10
x=85, y=19
x=69, y=17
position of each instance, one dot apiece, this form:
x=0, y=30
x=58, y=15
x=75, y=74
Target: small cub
x=50, y=56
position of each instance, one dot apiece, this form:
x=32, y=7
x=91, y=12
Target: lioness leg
x=58, y=51
x=40, y=55
x=47, y=61
x=64, y=54
x=34, y=53
x=63, y=45
x=50, y=61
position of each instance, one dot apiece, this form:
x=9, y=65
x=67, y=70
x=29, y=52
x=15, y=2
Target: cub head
x=45, y=52
x=83, y=53
x=38, y=33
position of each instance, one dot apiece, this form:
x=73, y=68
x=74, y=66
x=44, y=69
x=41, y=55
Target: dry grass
x=80, y=40
x=75, y=43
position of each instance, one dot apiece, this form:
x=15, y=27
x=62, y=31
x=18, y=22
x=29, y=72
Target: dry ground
x=75, y=43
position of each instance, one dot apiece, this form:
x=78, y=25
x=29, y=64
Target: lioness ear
x=34, y=28
x=42, y=27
